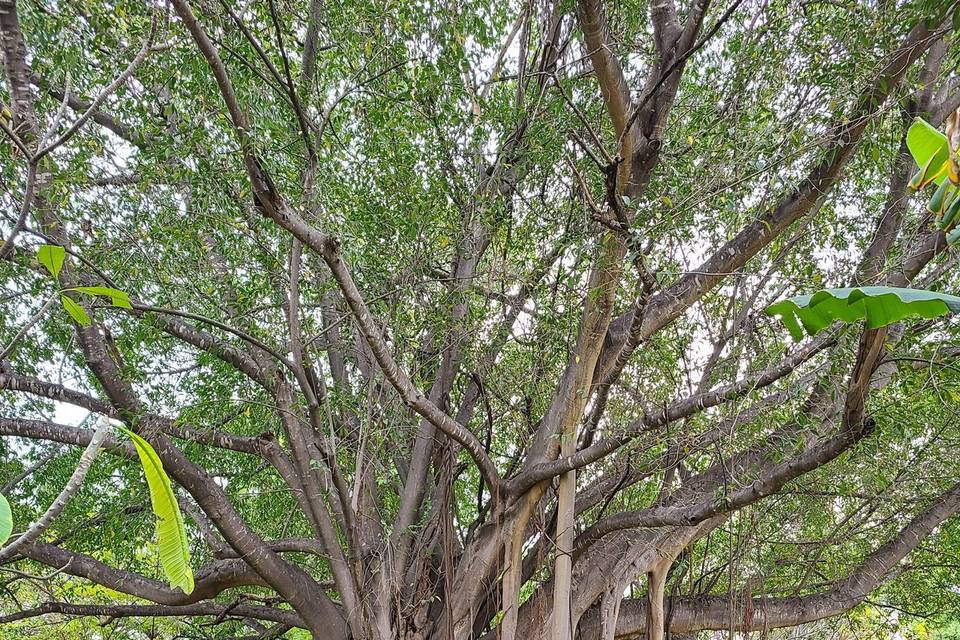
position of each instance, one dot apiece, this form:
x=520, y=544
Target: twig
x=39, y=464
x=583, y=119
x=15, y=138
x=23, y=331
x=7, y=249
x=113, y=86
x=61, y=112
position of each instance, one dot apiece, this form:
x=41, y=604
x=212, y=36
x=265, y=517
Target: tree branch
x=715, y=612
x=613, y=84
x=767, y=484
x=60, y=502
x=281, y=616
x=271, y=205
x=676, y=298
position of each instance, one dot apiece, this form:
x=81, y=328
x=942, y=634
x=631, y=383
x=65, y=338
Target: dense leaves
x=487, y=244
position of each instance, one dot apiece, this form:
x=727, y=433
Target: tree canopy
x=445, y=320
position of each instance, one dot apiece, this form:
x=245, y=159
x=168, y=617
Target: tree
x=444, y=320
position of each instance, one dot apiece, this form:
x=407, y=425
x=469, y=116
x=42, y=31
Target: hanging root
x=656, y=582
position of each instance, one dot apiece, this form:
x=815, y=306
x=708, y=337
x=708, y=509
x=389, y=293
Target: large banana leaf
x=930, y=150
x=879, y=306
x=171, y=532
x=936, y=155
x=6, y=520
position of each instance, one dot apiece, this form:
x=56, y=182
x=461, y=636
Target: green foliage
x=949, y=630
x=6, y=520
x=932, y=153
x=406, y=113
x=51, y=257
x=171, y=531
x=879, y=306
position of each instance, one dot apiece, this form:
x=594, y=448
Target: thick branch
x=210, y=580
x=59, y=393
x=715, y=612
x=680, y=409
x=613, y=84
x=282, y=616
x=673, y=300
x=767, y=484
x=271, y=205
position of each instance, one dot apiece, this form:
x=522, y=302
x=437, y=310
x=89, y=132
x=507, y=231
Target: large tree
x=446, y=318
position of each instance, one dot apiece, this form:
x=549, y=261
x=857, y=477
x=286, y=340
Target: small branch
x=28, y=195
x=58, y=505
x=15, y=138
x=106, y=93
x=23, y=330
x=61, y=112
x=219, y=325
x=583, y=119
x=29, y=471
x=105, y=120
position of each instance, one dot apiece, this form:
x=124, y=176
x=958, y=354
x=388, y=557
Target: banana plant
x=878, y=306
x=936, y=156
x=171, y=531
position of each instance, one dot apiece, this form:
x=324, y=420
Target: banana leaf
x=879, y=306
x=171, y=532
x=6, y=520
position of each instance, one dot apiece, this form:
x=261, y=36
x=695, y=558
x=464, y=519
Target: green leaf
x=925, y=142
x=171, y=532
x=925, y=176
x=75, y=310
x=951, y=214
x=938, y=203
x=51, y=256
x=6, y=520
x=931, y=152
x=953, y=236
x=879, y=306
x=117, y=298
